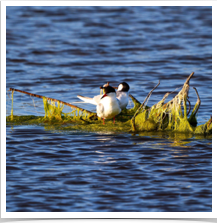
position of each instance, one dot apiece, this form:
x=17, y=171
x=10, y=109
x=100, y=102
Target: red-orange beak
x=104, y=96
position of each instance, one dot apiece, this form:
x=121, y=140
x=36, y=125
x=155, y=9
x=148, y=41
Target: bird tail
x=87, y=99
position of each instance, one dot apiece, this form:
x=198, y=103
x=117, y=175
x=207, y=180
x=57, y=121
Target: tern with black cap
x=107, y=105
x=122, y=94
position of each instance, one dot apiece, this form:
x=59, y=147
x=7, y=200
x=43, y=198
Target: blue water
x=60, y=52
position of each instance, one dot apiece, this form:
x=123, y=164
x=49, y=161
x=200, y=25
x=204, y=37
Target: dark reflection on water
x=60, y=52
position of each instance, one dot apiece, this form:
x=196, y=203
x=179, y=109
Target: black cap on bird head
x=107, y=90
x=123, y=87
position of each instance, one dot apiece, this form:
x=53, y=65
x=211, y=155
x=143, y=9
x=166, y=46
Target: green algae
x=52, y=110
x=12, y=103
x=150, y=119
x=172, y=116
x=159, y=117
x=98, y=127
x=25, y=120
x=70, y=124
x=205, y=128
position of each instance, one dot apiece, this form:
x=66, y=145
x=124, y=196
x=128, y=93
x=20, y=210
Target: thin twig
x=188, y=79
x=189, y=107
x=52, y=99
x=210, y=121
x=149, y=94
x=133, y=98
x=198, y=100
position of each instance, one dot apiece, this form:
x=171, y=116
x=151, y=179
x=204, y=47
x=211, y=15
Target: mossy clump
x=205, y=128
x=172, y=116
x=147, y=125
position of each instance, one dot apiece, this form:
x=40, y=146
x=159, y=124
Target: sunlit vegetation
x=173, y=116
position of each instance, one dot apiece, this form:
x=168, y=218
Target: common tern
x=122, y=94
x=107, y=105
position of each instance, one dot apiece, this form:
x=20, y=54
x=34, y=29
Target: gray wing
x=96, y=99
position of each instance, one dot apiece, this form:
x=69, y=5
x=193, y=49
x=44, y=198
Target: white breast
x=123, y=98
x=108, y=107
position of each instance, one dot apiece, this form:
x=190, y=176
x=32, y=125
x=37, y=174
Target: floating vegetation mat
x=173, y=116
